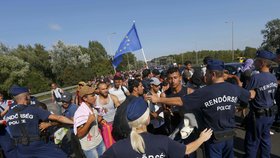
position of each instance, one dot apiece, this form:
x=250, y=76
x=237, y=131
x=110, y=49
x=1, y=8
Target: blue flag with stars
x=130, y=43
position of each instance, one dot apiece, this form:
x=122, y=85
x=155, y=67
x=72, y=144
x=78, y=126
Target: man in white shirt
x=118, y=90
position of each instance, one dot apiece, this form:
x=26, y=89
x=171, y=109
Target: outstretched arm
x=177, y=101
x=204, y=136
x=60, y=118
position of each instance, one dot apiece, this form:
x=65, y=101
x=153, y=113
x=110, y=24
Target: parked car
x=233, y=68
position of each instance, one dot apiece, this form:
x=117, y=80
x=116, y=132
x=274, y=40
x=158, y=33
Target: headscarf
x=247, y=65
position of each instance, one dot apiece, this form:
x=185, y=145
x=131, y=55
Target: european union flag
x=130, y=43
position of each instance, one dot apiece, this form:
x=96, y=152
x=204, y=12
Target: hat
x=136, y=108
x=155, y=81
x=214, y=64
x=82, y=83
x=16, y=90
x=85, y=90
x=265, y=54
x=66, y=97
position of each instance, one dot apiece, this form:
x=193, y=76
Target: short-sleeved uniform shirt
x=28, y=116
x=70, y=111
x=155, y=146
x=216, y=104
x=265, y=84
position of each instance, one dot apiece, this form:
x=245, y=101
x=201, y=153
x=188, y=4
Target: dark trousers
x=261, y=140
x=7, y=144
x=39, y=149
x=223, y=149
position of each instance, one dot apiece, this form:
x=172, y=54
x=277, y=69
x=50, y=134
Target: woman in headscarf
x=143, y=144
x=246, y=72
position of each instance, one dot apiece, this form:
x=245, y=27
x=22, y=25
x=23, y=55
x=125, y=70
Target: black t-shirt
x=216, y=104
x=155, y=146
x=181, y=93
x=121, y=128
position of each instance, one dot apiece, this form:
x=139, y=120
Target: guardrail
x=47, y=94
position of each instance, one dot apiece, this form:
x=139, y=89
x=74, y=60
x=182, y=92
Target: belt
x=25, y=140
x=268, y=112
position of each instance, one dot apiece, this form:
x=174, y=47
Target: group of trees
x=36, y=67
x=197, y=57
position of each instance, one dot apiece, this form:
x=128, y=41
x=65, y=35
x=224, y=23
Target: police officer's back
x=261, y=115
x=22, y=120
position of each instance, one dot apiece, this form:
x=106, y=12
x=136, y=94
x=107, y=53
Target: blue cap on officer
x=265, y=54
x=136, y=108
x=16, y=90
x=214, y=64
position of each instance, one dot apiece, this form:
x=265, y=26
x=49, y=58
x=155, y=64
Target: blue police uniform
x=214, y=106
x=70, y=111
x=22, y=121
x=261, y=115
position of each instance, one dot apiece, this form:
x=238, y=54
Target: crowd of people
x=149, y=113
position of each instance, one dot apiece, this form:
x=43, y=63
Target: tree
x=250, y=52
x=13, y=71
x=101, y=61
x=271, y=35
x=68, y=63
x=4, y=49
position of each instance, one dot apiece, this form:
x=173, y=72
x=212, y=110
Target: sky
x=164, y=27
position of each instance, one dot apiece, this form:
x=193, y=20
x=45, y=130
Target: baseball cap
x=155, y=81
x=214, y=64
x=66, y=97
x=82, y=83
x=85, y=90
x=265, y=54
x=16, y=90
x=136, y=108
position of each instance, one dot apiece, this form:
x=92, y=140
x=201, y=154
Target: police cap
x=214, y=64
x=16, y=90
x=265, y=54
x=66, y=97
x=136, y=108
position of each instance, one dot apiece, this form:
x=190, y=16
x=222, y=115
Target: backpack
x=57, y=99
x=123, y=91
x=121, y=128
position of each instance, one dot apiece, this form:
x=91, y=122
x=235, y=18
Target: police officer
x=214, y=106
x=22, y=121
x=261, y=115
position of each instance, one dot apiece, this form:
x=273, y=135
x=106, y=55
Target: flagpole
x=145, y=58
